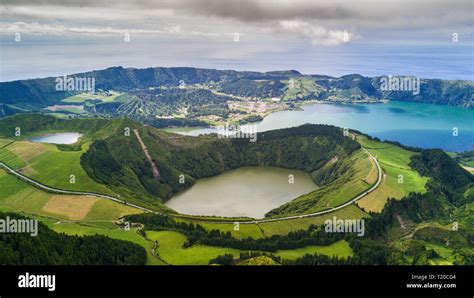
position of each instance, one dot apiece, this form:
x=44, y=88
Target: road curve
x=69, y=192
x=60, y=191
x=360, y=196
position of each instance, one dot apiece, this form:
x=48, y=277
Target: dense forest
x=51, y=248
x=146, y=105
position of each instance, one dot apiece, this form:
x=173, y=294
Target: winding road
x=69, y=192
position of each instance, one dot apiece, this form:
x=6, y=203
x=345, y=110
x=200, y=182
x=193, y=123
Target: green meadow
x=170, y=249
x=399, y=179
x=286, y=226
x=48, y=165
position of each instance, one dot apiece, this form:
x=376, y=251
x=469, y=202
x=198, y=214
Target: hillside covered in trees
x=37, y=94
x=52, y=248
x=118, y=161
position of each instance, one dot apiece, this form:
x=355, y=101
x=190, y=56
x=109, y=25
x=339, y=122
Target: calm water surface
x=247, y=191
x=58, y=138
x=414, y=124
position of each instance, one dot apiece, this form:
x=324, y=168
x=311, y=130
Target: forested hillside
x=51, y=248
x=35, y=94
x=117, y=160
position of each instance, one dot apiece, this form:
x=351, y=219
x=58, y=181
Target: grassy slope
x=394, y=162
x=361, y=175
x=51, y=166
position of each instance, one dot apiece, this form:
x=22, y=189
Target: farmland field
x=46, y=164
x=170, y=249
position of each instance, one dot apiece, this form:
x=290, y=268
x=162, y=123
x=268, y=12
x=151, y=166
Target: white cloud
x=318, y=34
x=324, y=23
x=54, y=29
x=51, y=29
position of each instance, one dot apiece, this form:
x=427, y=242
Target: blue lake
x=57, y=138
x=414, y=124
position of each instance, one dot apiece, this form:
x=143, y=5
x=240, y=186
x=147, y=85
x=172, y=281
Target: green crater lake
x=246, y=191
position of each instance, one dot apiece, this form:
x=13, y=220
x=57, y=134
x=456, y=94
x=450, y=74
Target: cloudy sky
x=428, y=38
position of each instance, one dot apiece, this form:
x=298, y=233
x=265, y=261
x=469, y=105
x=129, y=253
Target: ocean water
x=42, y=56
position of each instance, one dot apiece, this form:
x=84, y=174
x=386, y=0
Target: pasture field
x=339, y=249
x=48, y=165
x=9, y=158
x=72, y=207
x=4, y=142
x=398, y=178
x=170, y=249
x=364, y=176
x=104, y=208
x=286, y=226
x=268, y=229
x=80, y=98
x=19, y=196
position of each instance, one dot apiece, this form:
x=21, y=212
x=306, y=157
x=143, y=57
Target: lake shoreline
x=262, y=188
x=413, y=124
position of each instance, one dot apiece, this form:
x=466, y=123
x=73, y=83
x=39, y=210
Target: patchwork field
x=19, y=196
x=80, y=98
x=73, y=207
x=89, y=215
x=4, y=142
x=398, y=179
x=47, y=164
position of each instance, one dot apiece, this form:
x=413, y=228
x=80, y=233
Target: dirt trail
x=154, y=168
